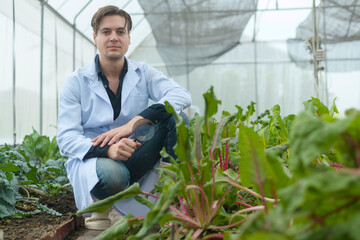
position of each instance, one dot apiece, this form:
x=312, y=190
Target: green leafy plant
x=292, y=177
x=28, y=171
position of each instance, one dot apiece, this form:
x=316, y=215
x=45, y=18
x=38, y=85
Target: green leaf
x=9, y=167
x=6, y=209
x=250, y=111
x=216, y=143
x=283, y=175
x=319, y=109
x=29, y=145
x=117, y=231
x=45, y=208
x=333, y=108
x=211, y=103
x=310, y=137
x=145, y=201
x=103, y=205
x=42, y=144
x=254, y=168
x=7, y=194
x=277, y=119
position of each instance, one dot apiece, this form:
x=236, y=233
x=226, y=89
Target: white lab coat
x=86, y=111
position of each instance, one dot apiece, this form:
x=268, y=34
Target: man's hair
x=109, y=11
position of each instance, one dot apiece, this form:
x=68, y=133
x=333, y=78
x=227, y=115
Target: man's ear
x=94, y=36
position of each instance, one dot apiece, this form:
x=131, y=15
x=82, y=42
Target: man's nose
x=113, y=36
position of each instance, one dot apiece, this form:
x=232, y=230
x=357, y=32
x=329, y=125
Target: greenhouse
x=251, y=113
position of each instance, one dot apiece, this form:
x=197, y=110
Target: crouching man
x=99, y=105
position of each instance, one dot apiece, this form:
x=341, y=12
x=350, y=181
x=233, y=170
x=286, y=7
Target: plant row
x=29, y=171
x=247, y=177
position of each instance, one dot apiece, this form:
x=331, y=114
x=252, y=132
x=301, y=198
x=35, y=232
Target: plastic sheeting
x=194, y=33
x=254, y=66
x=57, y=65
x=339, y=30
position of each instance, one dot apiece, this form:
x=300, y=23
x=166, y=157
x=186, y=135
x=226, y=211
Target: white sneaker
x=98, y=221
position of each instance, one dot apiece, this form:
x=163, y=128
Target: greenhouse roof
x=80, y=12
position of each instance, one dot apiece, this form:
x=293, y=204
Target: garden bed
x=38, y=225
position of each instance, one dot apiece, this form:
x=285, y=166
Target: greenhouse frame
x=180, y=119
x=255, y=55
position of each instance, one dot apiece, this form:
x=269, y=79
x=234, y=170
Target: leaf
x=103, y=205
x=310, y=137
x=7, y=194
x=347, y=149
x=250, y=112
x=29, y=145
x=216, y=143
x=254, y=168
x=321, y=192
x=277, y=120
x=211, y=103
x=42, y=144
x=45, y=208
x=6, y=209
x=9, y=167
x=319, y=109
x=145, y=201
x=333, y=108
x=283, y=175
x=117, y=230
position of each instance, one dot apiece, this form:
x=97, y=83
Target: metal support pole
x=14, y=75
x=325, y=61
x=56, y=72
x=187, y=57
x=74, y=30
x=255, y=61
x=41, y=66
x=314, y=48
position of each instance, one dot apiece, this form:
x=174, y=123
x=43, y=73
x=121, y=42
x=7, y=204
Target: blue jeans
x=115, y=176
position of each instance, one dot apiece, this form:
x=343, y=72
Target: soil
x=36, y=226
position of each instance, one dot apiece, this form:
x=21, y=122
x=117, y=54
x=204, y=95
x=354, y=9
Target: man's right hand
x=123, y=149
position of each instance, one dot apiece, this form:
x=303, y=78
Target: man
x=99, y=105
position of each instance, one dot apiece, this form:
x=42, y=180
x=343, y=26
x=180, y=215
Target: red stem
x=244, y=204
x=227, y=149
x=214, y=236
x=221, y=162
x=181, y=200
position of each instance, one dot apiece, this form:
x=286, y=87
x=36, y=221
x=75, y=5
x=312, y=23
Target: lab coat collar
x=130, y=80
x=96, y=86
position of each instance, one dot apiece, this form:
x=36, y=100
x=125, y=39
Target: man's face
x=112, y=38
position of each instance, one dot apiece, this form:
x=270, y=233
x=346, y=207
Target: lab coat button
x=109, y=116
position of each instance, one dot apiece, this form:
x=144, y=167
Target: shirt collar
x=99, y=71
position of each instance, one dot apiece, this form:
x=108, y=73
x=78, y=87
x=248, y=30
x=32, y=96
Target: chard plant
x=293, y=177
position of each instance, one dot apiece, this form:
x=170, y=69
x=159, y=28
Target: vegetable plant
x=34, y=168
x=292, y=177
